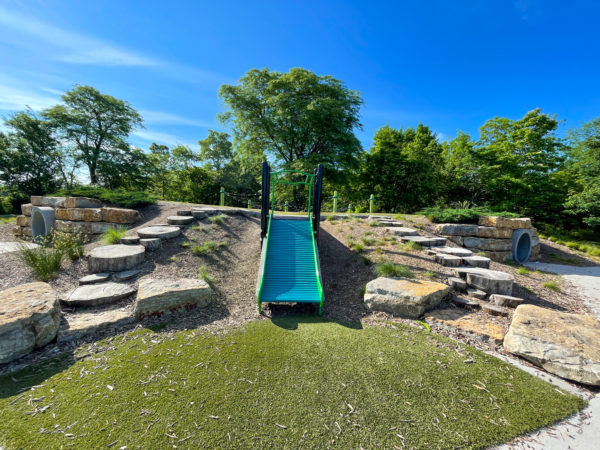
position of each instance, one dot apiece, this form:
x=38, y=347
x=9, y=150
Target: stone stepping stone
x=379, y=218
x=115, y=258
x=29, y=318
x=84, y=323
x=477, y=261
x=130, y=240
x=184, y=212
x=126, y=275
x=94, y=278
x=505, y=300
x=98, y=294
x=204, y=213
x=477, y=293
x=465, y=303
x=402, y=297
x=425, y=241
x=458, y=284
x=151, y=244
x=402, y=231
x=179, y=220
x=162, y=296
x=495, y=310
x=456, y=251
x=159, y=231
x=448, y=260
x=490, y=281
x=390, y=223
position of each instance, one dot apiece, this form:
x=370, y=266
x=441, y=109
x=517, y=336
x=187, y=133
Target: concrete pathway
x=586, y=281
x=9, y=247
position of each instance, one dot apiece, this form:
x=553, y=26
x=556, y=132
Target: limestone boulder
x=452, y=229
x=494, y=232
x=29, y=318
x=494, y=245
x=79, y=214
x=54, y=202
x=564, y=344
x=403, y=297
x=82, y=202
x=26, y=209
x=69, y=226
x=502, y=222
x=23, y=221
x=156, y=297
x=120, y=215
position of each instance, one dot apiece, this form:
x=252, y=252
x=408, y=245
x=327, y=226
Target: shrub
x=218, y=220
x=45, y=260
x=388, y=269
x=203, y=274
x=71, y=244
x=208, y=247
x=471, y=215
x=113, y=235
x=119, y=197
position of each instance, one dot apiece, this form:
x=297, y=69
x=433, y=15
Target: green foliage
x=299, y=118
x=552, y=286
x=113, y=235
x=206, y=276
x=119, y=197
x=45, y=260
x=471, y=215
x=208, y=247
x=219, y=219
x=389, y=269
x=71, y=244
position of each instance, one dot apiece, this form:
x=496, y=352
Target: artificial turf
x=292, y=382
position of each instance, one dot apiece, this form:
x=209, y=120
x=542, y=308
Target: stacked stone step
x=82, y=215
x=456, y=257
x=493, y=236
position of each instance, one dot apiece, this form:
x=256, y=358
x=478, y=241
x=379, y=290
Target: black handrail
x=264, y=210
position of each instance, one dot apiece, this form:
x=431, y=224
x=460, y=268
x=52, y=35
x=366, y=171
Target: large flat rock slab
x=490, y=281
x=29, y=318
x=468, y=322
x=564, y=344
x=403, y=297
x=81, y=324
x=98, y=294
x=115, y=258
x=157, y=297
x=160, y=231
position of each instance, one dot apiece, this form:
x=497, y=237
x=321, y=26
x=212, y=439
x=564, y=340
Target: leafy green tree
x=160, y=168
x=30, y=160
x=404, y=168
x=462, y=178
x=297, y=118
x=520, y=161
x=98, y=126
x=216, y=149
x=584, y=162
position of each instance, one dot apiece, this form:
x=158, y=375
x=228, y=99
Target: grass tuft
x=411, y=246
x=389, y=269
x=113, y=235
x=524, y=271
x=206, y=276
x=358, y=248
x=45, y=260
x=552, y=286
x=218, y=220
x=430, y=274
x=208, y=247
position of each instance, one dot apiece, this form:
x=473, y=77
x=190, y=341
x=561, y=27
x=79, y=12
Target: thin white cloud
x=169, y=118
x=69, y=46
x=161, y=138
x=16, y=99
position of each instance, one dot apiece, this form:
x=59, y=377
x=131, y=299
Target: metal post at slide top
x=222, y=195
x=371, y=201
x=335, y=197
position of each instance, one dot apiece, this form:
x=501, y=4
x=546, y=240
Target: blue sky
x=448, y=64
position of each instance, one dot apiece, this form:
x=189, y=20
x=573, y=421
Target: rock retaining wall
x=75, y=215
x=493, y=236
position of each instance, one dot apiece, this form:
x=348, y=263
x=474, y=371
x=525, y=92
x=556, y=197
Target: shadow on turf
x=291, y=318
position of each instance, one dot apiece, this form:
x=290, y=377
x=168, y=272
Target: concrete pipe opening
x=521, y=245
x=42, y=221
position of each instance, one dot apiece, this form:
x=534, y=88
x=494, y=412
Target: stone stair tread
x=184, y=212
x=425, y=241
x=98, y=294
x=130, y=240
x=448, y=260
x=94, y=278
x=402, y=231
x=490, y=281
x=151, y=244
x=477, y=293
x=77, y=325
x=115, y=258
x=495, y=310
x=180, y=220
x=456, y=251
x=126, y=275
x=506, y=300
x=159, y=231
x=466, y=303
x=390, y=223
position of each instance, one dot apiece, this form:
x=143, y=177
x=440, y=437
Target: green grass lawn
x=294, y=382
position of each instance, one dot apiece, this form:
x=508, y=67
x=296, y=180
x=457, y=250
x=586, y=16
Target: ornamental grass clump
x=389, y=269
x=44, y=260
x=113, y=235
